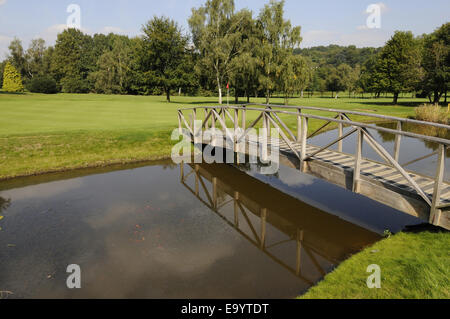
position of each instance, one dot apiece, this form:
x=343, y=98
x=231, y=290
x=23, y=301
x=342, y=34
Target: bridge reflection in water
x=275, y=222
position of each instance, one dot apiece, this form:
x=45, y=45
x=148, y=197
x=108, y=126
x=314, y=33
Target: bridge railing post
x=299, y=126
x=243, y=112
x=236, y=131
x=398, y=140
x=358, y=159
x=264, y=138
x=304, y=142
x=206, y=122
x=341, y=133
x=194, y=130
x=180, y=129
x=213, y=129
x=435, y=213
x=224, y=118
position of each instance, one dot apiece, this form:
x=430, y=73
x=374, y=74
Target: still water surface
x=165, y=231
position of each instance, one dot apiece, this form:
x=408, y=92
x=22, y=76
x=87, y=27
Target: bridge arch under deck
x=388, y=182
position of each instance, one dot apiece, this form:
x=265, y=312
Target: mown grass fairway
x=40, y=133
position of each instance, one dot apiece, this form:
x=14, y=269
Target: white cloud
x=43, y=190
x=293, y=178
x=2, y=2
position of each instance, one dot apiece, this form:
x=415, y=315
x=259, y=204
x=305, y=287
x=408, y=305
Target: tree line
x=258, y=56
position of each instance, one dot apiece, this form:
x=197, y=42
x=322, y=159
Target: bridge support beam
x=435, y=214
x=358, y=159
x=341, y=133
x=303, y=143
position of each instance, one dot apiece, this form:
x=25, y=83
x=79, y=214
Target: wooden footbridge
x=387, y=181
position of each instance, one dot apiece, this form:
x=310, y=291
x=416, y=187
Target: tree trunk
x=267, y=97
x=437, y=98
x=168, y=94
x=236, y=96
x=220, y=90
x=395, y=98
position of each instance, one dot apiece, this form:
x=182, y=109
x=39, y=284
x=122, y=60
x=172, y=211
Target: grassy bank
x=40, y=133
x=413, y=266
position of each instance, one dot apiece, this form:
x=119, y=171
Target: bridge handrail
x=380, y=116
x=339, y=111
x=335, y=120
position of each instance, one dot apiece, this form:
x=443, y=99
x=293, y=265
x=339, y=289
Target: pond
x=159, y=230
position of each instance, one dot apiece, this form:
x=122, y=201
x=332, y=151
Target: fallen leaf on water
x=1, y=217
x=11, y=245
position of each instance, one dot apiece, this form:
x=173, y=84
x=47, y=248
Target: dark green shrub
x=74, y=84
x=42, y=84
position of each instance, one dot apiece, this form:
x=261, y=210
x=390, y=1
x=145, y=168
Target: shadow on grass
x=374, y=102
x=416, y=229
x=12, y=93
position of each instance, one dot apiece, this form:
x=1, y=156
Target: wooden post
x=299, y=126
x=243, y=119
x=194, y=118
x=206, y=122
x=263, y=227
x=236, y=128
x=224, y=118
x=435, y=214
x=341, y=133
x=213, y=129
x=236, y=209
x=358, y=158
x=264, y=139
x=398, y=140
x=180, y=130
x=182, y=172
x=303, y=143
x=299, y=251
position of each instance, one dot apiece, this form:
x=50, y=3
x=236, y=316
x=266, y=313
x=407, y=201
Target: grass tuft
x=432, y=113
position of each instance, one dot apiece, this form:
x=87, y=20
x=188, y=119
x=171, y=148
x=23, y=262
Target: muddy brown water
x=141, y=231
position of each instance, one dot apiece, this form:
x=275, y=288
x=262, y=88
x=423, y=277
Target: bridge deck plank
x=370, y=168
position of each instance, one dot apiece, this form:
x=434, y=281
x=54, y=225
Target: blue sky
x=323, y=21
